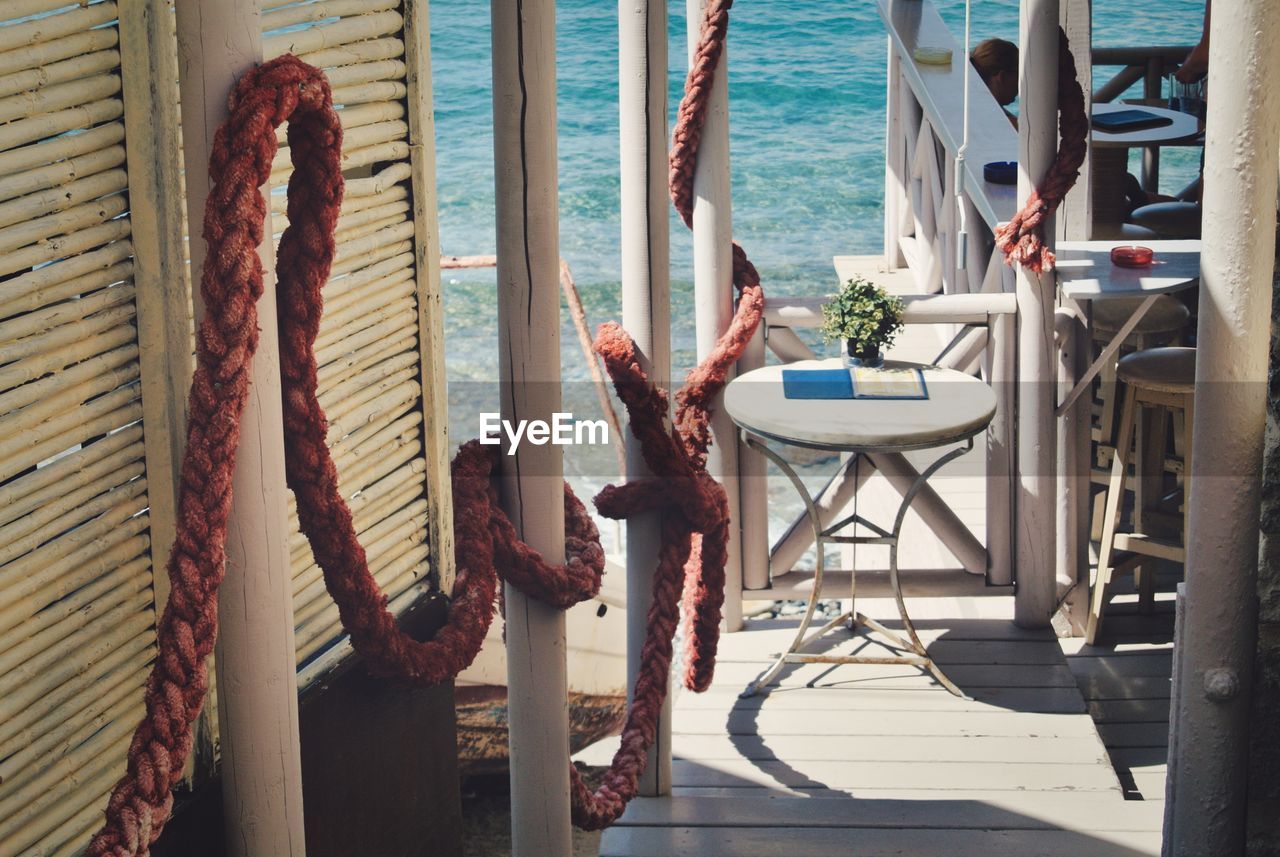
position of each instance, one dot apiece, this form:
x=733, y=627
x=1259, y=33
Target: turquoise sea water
x=806, y=88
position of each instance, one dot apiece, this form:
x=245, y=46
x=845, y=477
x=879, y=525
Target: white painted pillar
x=1034, y=535
x=895, y=166
x=524, y=141
x=646, y=302
x=1074, y=223
x=218, y=40
x=1207, y=787
x=713, y=293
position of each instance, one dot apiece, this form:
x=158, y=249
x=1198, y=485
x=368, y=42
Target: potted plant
x=866, y=317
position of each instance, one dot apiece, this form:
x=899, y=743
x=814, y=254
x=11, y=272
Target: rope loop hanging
x=1022, y=238
x=692, y=505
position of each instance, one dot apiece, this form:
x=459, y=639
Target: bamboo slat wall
x=95, y=339
x=85, y=494
x=387, y=441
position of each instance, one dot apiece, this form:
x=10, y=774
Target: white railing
x=941, y=231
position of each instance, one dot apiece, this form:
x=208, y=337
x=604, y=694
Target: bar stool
x=1163, y=323
x=1161, y=380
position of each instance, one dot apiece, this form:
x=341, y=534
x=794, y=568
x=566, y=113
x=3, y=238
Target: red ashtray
x=1131, y=256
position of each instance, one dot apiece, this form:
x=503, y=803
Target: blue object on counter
x=817, y=384
x=1001, y=172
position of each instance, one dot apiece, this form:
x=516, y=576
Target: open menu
x=889, y=383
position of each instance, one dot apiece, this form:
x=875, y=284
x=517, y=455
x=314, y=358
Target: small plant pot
x=870, y=361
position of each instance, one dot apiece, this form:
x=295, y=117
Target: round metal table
x=958, y=407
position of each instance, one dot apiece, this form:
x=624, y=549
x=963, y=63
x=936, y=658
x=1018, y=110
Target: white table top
x=1085, y=271
x=959, y=406
x=1185, y=127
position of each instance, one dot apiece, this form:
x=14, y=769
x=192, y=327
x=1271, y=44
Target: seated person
x=997, y=63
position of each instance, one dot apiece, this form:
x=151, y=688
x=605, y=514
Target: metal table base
x=914, y=650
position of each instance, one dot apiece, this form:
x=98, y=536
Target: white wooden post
x=218, y=40
x=753, y=488
x=646, y=302
x=1037, y=143
x=524, y=141
x=1000, y=363
x=1074, y=223
x=426, y=232
x=1207, y=789
x=895, y=167
x=713, y=292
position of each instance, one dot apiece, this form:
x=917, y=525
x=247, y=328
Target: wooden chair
x=1160, y=382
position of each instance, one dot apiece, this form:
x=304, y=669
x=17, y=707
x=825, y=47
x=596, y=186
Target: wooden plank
x=1152, y=760
x=148, y=44
x=1012, y=811
x=949, y=776
x=766, y=842
x=897, y=723
x=1135, y=734
x=893, y=676
x=883, y=748
x=764, y=631
x=874, y=583
x=1050, y=700
x=426, y=245
x=1155, y=665
x=1118, y=687
x=1129, y=710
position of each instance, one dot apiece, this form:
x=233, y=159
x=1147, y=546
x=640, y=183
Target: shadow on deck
x=870, y=760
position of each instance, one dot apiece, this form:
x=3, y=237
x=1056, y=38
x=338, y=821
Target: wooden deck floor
x=1124, y=680
x=880, y=760
x=871, y=760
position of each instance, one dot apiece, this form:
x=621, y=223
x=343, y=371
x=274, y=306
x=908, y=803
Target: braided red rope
x=692, y=504
x=231, y=284
x=1022, y=238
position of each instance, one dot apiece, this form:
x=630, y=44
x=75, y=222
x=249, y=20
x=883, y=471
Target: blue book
x=817, y=384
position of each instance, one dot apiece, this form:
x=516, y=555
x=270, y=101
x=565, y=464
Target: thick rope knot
x=231, y=282
x=1022, y=238
x=693, y=508
x=693, y=499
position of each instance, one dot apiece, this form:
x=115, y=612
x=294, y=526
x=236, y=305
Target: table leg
x=819, y=566
x=914, y=648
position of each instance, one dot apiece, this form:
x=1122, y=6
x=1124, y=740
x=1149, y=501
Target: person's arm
x=1196, y=65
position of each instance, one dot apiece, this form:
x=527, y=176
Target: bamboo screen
x=375, y=325
x=95, y=341
x=77, y=603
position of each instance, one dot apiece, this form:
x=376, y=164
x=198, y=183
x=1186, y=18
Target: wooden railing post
x=646, y=302
x=1037, y=144
x=1075, y=223
x=524, y=140
x=713, y=292
x=219, y=40
x=435, y=407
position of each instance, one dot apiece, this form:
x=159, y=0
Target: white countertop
x=1085, y=271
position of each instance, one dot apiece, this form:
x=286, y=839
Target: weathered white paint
x=713, y=293
x=257, y=702
x=646, y=301
x=1034, y=535
x=1074, y=223
x=1217, y=634
x=524, y=126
